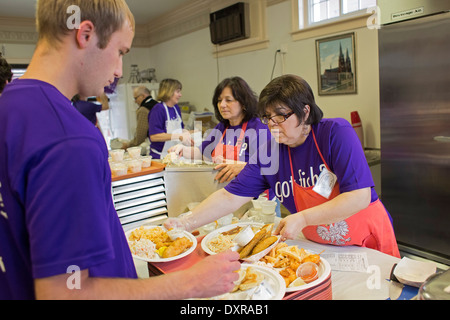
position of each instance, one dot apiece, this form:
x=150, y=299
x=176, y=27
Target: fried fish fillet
x=177, y=247
x=264, y=244
x=247, y=249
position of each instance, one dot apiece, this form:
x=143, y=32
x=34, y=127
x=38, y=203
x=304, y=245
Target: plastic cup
x=118, y=169
x=268, y=207
x=146, y=161
x=268, y=218
x=117, y=155
x=254, y=212
x=209, y=227
x=256, y=204
x=134, y=165
x=225, y=220
x=244, y=236
x=308, y=271
x=134, y=152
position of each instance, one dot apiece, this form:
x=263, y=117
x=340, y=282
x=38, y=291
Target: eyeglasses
x=135, y=98
x=276, y=119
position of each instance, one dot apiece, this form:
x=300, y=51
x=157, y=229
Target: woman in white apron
x=165, y=125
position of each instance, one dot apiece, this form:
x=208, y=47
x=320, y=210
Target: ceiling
x=143, y=10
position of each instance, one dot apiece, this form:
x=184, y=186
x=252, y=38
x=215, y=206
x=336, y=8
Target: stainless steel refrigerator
x=414, y=53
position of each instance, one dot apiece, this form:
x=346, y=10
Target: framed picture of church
x=336, y=64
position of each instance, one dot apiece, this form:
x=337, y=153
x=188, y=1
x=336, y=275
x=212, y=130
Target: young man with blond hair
x=60, y=236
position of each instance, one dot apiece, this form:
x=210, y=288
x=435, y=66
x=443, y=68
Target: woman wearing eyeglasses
x=323, y=178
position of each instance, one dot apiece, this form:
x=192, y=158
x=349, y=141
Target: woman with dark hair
x=323, y=177
x=236, y=138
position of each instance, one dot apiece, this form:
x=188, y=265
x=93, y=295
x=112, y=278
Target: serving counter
x=371, y=283
x=189, y=184
x=152, y=195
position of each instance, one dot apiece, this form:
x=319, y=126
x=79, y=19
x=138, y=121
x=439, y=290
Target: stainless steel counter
x=188, y=184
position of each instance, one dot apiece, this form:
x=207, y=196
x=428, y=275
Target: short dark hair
x=242, y=93
x=293, y=92
x=5, y=73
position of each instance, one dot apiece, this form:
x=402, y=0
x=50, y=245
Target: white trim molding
x=187, y=18
x=18, y=30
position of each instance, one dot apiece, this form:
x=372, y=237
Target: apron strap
x=318, y=149
x=293, y=180
x=241, y=137
x=240, y=140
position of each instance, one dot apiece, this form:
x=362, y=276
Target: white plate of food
x=287, y=260
x=256, y=283
x=156, y=244
x=221, y=239
x=252, y=240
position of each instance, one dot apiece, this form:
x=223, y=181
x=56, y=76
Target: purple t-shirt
x=88, y=109
x=340, y=148
x=255, y=135
x=157, y=124
x=56, y=207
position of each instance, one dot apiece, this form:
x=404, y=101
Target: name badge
x=325, y=183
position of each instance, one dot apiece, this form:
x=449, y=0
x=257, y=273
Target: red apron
x=227, y=151
x=369, y=227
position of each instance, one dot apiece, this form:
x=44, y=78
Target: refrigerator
x=414, y=62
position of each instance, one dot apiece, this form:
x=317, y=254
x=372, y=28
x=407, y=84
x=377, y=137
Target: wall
x=190, y=59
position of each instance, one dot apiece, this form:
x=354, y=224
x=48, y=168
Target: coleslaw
x=143, y=248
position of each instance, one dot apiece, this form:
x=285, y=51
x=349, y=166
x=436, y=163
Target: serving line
x=372, y=284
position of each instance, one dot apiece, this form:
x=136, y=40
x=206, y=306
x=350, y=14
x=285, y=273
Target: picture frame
x=336, y=64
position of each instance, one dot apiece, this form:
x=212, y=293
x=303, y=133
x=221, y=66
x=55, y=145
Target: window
x=322, y=10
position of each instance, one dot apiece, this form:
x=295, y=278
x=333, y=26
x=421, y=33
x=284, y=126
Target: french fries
x=288, y=259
